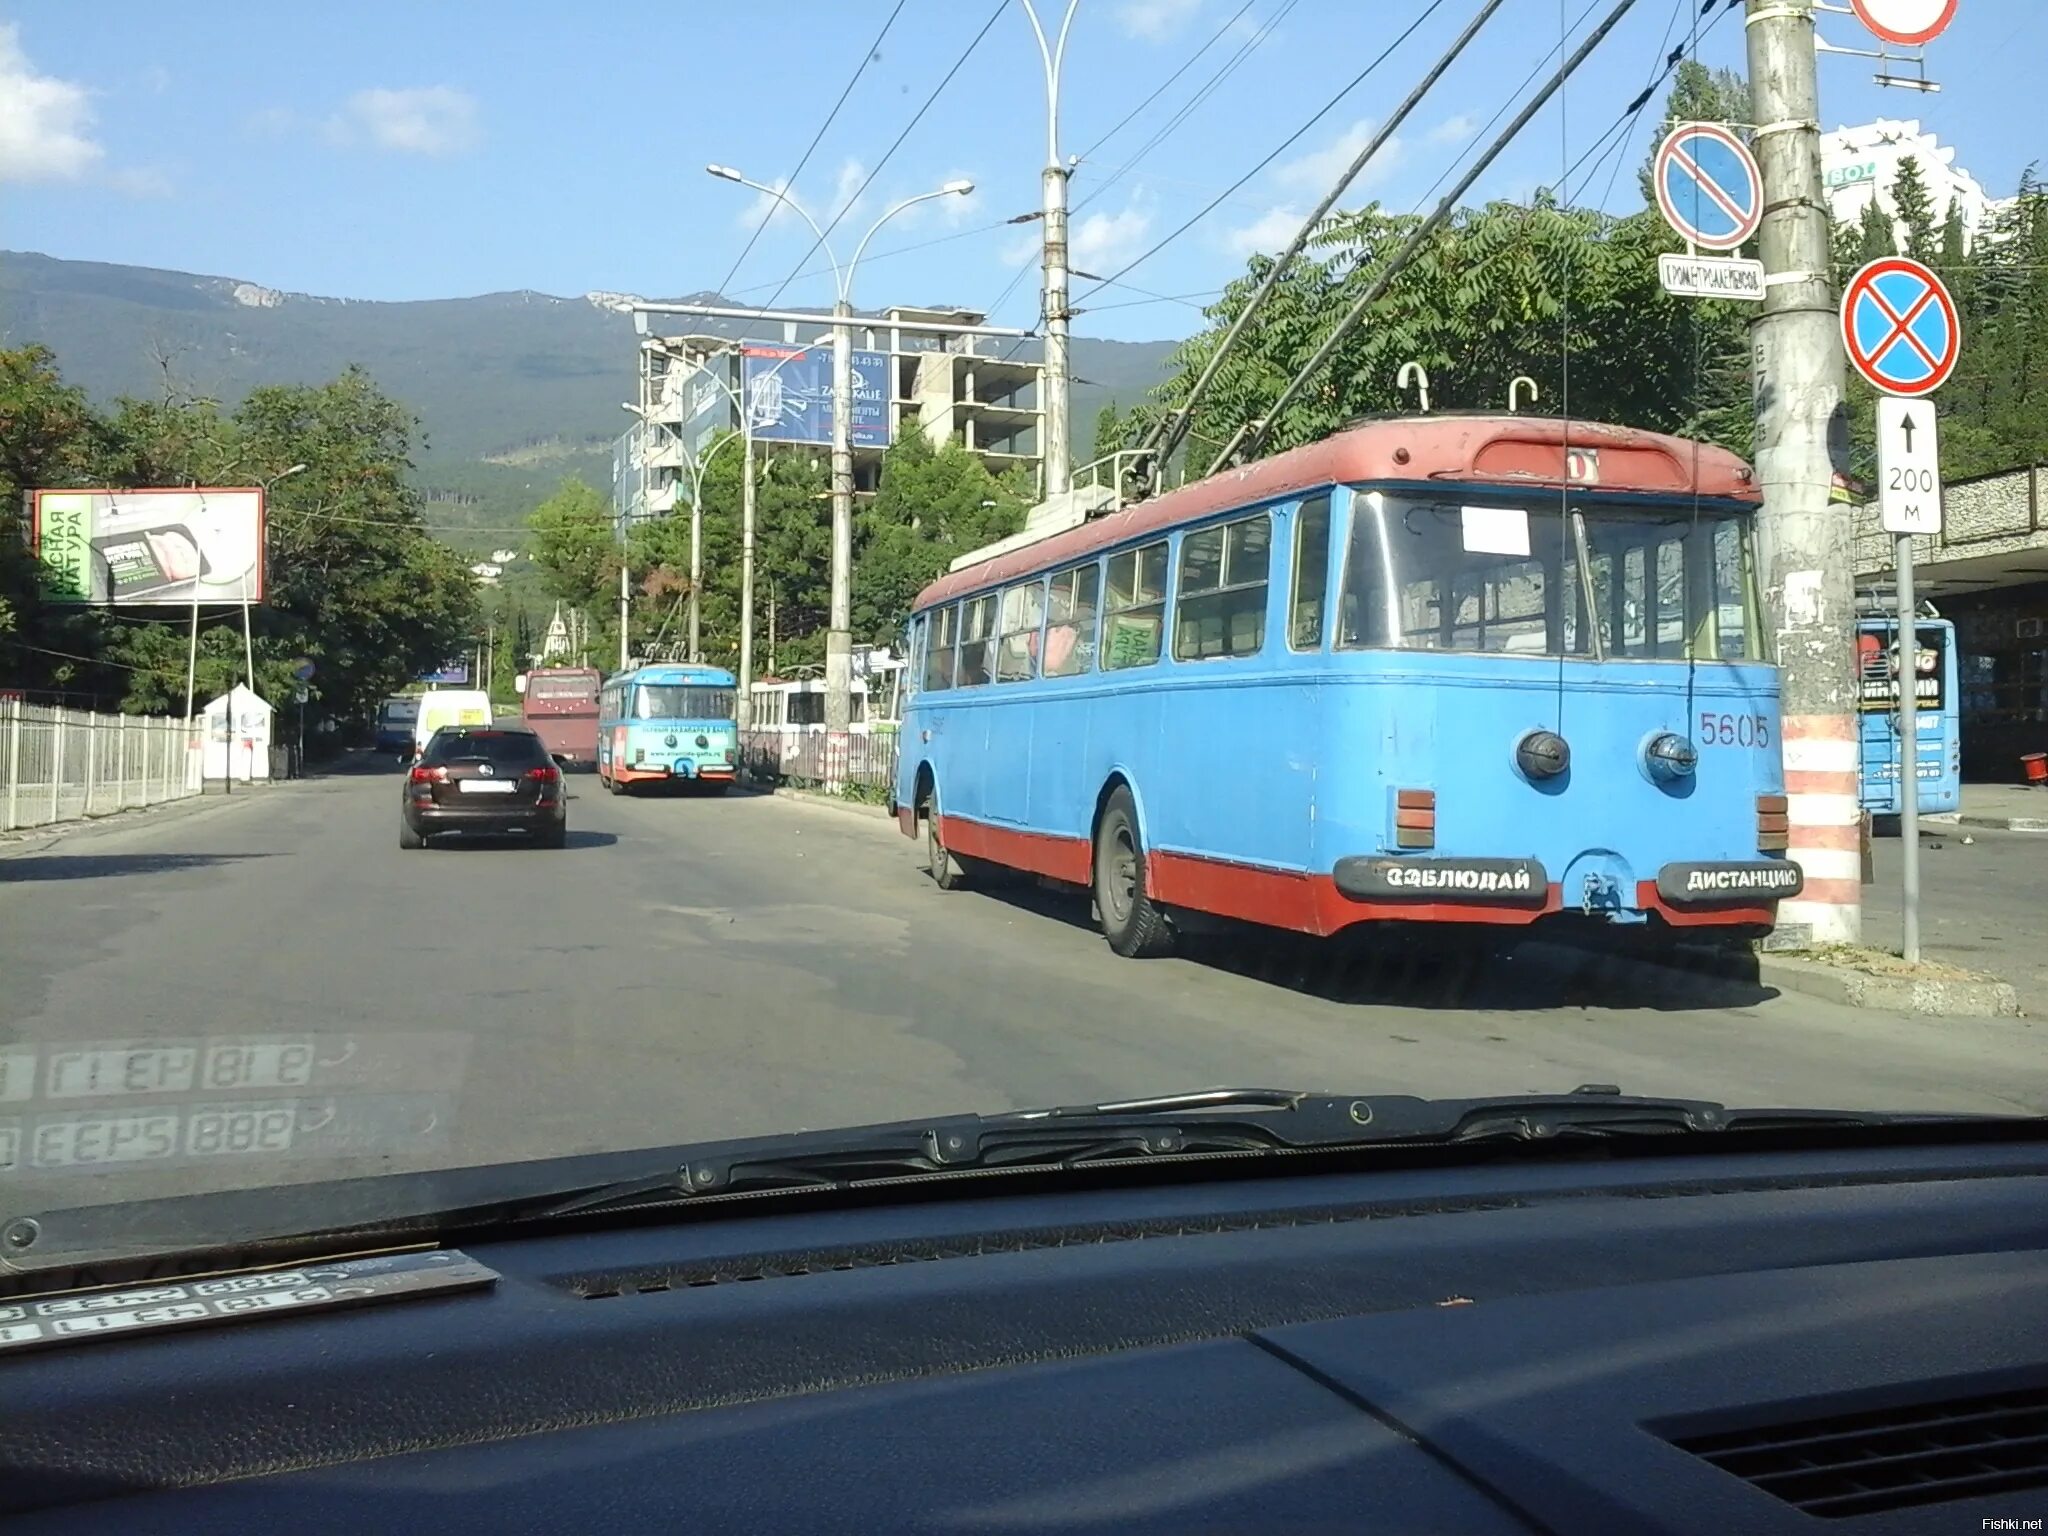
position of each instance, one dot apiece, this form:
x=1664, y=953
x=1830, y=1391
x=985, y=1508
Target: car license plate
x=486, y=787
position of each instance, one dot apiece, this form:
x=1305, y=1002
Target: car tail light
x=424, y=775
x=1414, y=818
x=1773, y=823
x=548, y=774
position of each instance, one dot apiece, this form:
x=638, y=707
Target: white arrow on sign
x=1908, y=23
x=1908, y=466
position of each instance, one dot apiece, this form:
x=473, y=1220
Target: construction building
x=974, y=391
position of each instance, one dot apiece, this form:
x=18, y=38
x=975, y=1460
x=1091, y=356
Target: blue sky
x=409, y=151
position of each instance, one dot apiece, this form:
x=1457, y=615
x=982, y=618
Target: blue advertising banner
x=453, y=674
x=789, y=394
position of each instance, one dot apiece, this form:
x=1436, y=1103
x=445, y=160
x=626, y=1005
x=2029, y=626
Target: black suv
x=484, y=778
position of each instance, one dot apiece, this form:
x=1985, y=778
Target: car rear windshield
x=486, y=746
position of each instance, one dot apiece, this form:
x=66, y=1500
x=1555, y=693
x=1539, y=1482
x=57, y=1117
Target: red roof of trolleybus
x=1504, y=451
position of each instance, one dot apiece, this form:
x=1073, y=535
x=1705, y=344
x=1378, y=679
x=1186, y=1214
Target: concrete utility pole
x=1805, y=542
x=1053, y=263
x=839, y=626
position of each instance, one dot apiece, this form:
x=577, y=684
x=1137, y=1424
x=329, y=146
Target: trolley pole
x=1805, y=542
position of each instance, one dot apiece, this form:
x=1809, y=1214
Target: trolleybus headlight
x=1670, y=757
x=669, y=740
x=1542, y=755
x=703, y=741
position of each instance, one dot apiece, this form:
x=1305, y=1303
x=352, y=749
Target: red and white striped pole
x=1826, y=818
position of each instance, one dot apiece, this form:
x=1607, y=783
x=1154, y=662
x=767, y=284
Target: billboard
x=451, y=674
x=157, y=547
x=789, y=394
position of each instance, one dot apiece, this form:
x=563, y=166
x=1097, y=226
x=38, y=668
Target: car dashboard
x=1851, y=1339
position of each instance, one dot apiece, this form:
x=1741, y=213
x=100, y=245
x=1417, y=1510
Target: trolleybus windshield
x=1476, y=574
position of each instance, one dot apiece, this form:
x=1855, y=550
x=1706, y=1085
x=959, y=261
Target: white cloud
x=846, y=202
x=272, y=122
x=1318, y=170
x=1103, y=241
x=1156, y=20
x=765, y=207
x=1454, y=130
x=140, y=181
x=45, y=123
x=1268, y=233
x=1026, y=245
x=425, y=120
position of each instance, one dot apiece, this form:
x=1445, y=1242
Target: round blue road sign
x=1900, y=327
x=1708, y=186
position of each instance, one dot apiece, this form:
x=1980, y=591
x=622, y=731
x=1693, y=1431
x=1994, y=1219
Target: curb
x=2008, y=823
x=1944, y=998
x=813, y=797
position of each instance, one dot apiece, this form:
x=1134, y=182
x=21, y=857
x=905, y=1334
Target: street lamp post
x=839, y=631
x=746, y=438
x=1053, y=258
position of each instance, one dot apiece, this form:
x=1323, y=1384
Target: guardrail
x=61, y=764
x=852, y=763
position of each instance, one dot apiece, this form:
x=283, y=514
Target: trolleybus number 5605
x=1734, y=730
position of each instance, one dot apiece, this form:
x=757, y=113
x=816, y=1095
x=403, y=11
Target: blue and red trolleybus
x=1437, y=669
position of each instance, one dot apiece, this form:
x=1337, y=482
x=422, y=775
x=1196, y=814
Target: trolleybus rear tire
x=1134, y=925
x=949, y=871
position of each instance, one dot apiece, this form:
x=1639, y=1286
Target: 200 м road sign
x=1708, y=186
x=1900, y=327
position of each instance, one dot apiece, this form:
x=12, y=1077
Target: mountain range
x=514, y=390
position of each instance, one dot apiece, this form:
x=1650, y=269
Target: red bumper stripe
x=1279, y=898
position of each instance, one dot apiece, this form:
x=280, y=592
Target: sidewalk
x=2007, y=807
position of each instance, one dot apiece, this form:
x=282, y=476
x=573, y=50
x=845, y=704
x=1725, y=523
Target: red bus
x=561, y=705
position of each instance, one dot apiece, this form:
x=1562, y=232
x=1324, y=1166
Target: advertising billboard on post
x=789, y=394
x=159, y=547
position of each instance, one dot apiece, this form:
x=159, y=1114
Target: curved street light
x=839, y=631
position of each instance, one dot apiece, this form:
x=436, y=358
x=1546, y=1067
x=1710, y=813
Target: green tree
x=354, y=583
x=1565, y=296
x=1915, y=209
x=1111, y=432
x=573, y=544
x=933, y=505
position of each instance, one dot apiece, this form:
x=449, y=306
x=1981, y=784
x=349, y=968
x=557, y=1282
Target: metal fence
x=61, y=764
x=856, y=762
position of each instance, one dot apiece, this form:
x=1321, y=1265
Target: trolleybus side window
x=1220, y=603
x=1070, y=622
x=1134, y=607
x=977, y=640
x=1311, y=574
x=938, y=660
x=1023, y=617
x=913, y=652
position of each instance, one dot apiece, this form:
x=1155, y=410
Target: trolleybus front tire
x=1135, y=926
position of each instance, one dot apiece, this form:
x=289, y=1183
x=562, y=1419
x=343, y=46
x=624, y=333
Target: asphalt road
x=1983, y=904
x=692, y=968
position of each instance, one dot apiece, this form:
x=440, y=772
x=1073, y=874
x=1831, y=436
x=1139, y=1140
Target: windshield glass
x=679, y=701
x=1563, y=577
x=966, y=656
x=484, y=747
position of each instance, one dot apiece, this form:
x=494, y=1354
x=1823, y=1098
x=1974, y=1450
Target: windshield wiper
x=239, y=1228
x=1222, y=1121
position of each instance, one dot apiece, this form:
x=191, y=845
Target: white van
x=448, y=706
